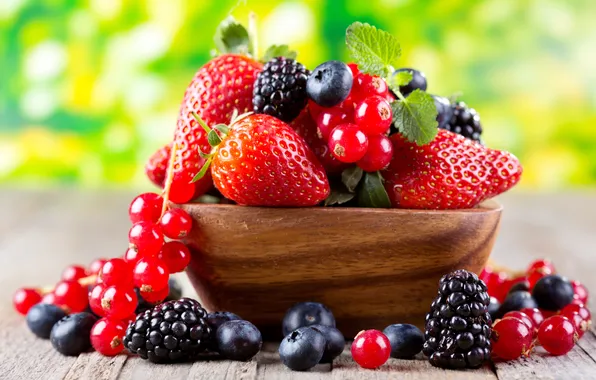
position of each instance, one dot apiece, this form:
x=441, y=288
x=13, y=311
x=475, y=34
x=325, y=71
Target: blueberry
x=553, y=292
x=493, y=307
x=521, y=285
x=238, y=340
x=444, y=110
x=406, y=340
x=516, y=301
x=335, y=342
x=307, y=314
x=330, y=83
x=218, y=318
x=418, y=81
x=70, y=335
x=42, y=317
x=302, y=349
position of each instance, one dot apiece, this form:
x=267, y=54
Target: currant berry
x=371, y=349
x=131, y=256
x=535, y=276
x=95, y=266
x=95, y=299
x=557, y=335
x=116, y=272
x=314, y=109
x=49, y=298
x=150, y=274
x=348, y=143
x=579, y=324
x=181, y=191
x=71, y=295
x=354, y=69
x=378, y=154
x=580, y=292
x=329, y=119
x=145, y=208
x=74, y=273
x=176, y=223
x=157, y=296
x=373, y=115
x=107, y=336
x=511, y=338
x=176, y=255
x=580, y=309
x=118, y=302
x=535, y=315
x=366, y=85
x=544, y=266
x=24, y=299
x=497, y=285
x=146, y=237
x=486, y=274
x=522, y=317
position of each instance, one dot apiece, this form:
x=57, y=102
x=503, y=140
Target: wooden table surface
x=43, y=231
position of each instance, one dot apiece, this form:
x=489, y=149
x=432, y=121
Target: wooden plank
x=270, y=367
x=588, y=343
x=138, y=369
x=97, y=367
x=224, y=370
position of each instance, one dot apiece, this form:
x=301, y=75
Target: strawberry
x=221, y=86
x=264, y=162
x=451, y=172
x=306, y=127
x=157, y=165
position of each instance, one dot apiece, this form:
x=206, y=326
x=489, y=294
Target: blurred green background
x=89, y=89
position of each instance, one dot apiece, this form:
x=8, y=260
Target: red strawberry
x=264, y=162
x=157, y=165
x=223, y=85
x=451, y=172
x=306, y=127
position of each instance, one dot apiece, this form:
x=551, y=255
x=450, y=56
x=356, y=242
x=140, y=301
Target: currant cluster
x=538, y=308
x=356, y=128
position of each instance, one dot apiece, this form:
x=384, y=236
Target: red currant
x=150, y=274
x=486, y=274
x=116, y=272
x=107, y=336
x=580, y=309
x=74, y=273
x=511, y=338
x=535, y=315
x=378, y=155
x=543, y=265
x=49, y=298
x=373, y=115
x=371, y=349
x=176, y=256
x=181, y=190
x=354, y=69
x=367, y=85
x=535, y=276
x=176, y=223
x=579, y=324
x=156, y=297
x=131, y=256
x=96, y=266
x=95, y=299
x=145, y=208
x=522, y=317
x=146, y=237
x=24, y=299
x=329, y=119
x=580, y=292
x=497, y=285
x=118, y=302
x=71, y=296
x=557, y=335
x=348, y=143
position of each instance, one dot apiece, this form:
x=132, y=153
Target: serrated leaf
x=374, y=50
x=401, y=78
x=222, y=128
x=415, y=117
x=231, y=37
x=338, y=197
x=371, y=192
x=279, y=51
x=213, y=138
x=351, y=177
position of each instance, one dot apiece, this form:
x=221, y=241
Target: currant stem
x=85, y=281
x=169, y=180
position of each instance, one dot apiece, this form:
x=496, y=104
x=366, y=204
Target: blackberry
x=170, y=332
x=464, y=121
x=280, y=89
x=458, y=326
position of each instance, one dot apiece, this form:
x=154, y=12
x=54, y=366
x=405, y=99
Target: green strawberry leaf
x=213, y=138
x=371, y=193
x=338, y=197
x=279, y=51
x=401, y=78
x=203, y=170
x=375, y=51
x=351, y=177
x=415, y=117
x=232, y=37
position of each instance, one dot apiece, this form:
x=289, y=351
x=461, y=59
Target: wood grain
x=371, y=267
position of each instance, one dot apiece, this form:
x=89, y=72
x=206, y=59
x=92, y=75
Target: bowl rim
x=488, y=206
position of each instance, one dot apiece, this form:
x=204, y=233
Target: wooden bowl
x=372, y=267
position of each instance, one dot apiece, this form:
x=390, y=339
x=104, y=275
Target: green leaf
x=338, y=197
x=222, y=128
x=279, y=51
x=375, y=51
x=231, y=37
x=371, y=192
x=203, y=170
x=415, y=117
x=213, y=138
x=351, y=177
x=401, y=78
x=201, y=122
